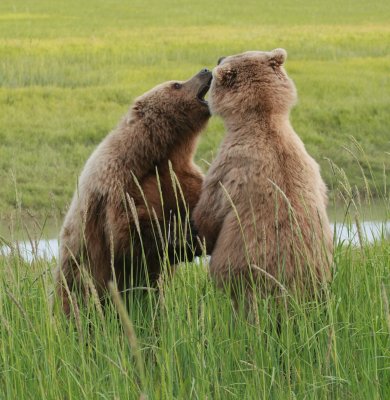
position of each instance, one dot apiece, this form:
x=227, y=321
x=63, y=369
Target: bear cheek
x=217, y=101
x=213, y=100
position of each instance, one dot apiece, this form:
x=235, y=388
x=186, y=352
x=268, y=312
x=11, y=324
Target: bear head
x=254, y=81
x=178, y=107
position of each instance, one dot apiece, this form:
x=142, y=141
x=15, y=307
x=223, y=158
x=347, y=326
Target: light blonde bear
x=262, y=211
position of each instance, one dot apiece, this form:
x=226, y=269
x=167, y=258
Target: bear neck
x=184, y=152
x=163, y=142
x=258, y=123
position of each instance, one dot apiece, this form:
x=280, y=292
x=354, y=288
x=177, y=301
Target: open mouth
x=203, y=91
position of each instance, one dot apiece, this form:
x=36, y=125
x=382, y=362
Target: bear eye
x=177, y=85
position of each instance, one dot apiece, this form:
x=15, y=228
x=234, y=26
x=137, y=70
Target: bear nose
x=204, y=71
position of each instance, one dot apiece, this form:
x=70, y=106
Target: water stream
x=347, y=234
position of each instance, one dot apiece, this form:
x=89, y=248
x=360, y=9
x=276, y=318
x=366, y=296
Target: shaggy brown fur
x=278, y=226
x=161, y=127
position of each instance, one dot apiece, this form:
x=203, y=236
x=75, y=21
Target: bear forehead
x=252, y=55
x=162, y=86
x=162, y=89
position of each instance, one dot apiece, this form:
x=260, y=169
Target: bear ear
x=278, y=57
x=226, y=75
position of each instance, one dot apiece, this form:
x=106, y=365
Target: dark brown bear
x=262, y=210
x=119, y=209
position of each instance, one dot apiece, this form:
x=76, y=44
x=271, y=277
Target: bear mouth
x=203, y=91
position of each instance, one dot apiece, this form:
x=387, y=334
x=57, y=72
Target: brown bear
x=262, y=211
x=135, y=192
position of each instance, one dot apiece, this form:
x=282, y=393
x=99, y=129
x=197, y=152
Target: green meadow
x=68, y=71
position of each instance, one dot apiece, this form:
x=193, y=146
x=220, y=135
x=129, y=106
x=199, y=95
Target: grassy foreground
x=192, y=345
x=70, y=69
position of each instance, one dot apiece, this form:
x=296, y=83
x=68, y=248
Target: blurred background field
x=70, y=69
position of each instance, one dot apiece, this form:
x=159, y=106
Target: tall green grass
x=192, y=343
